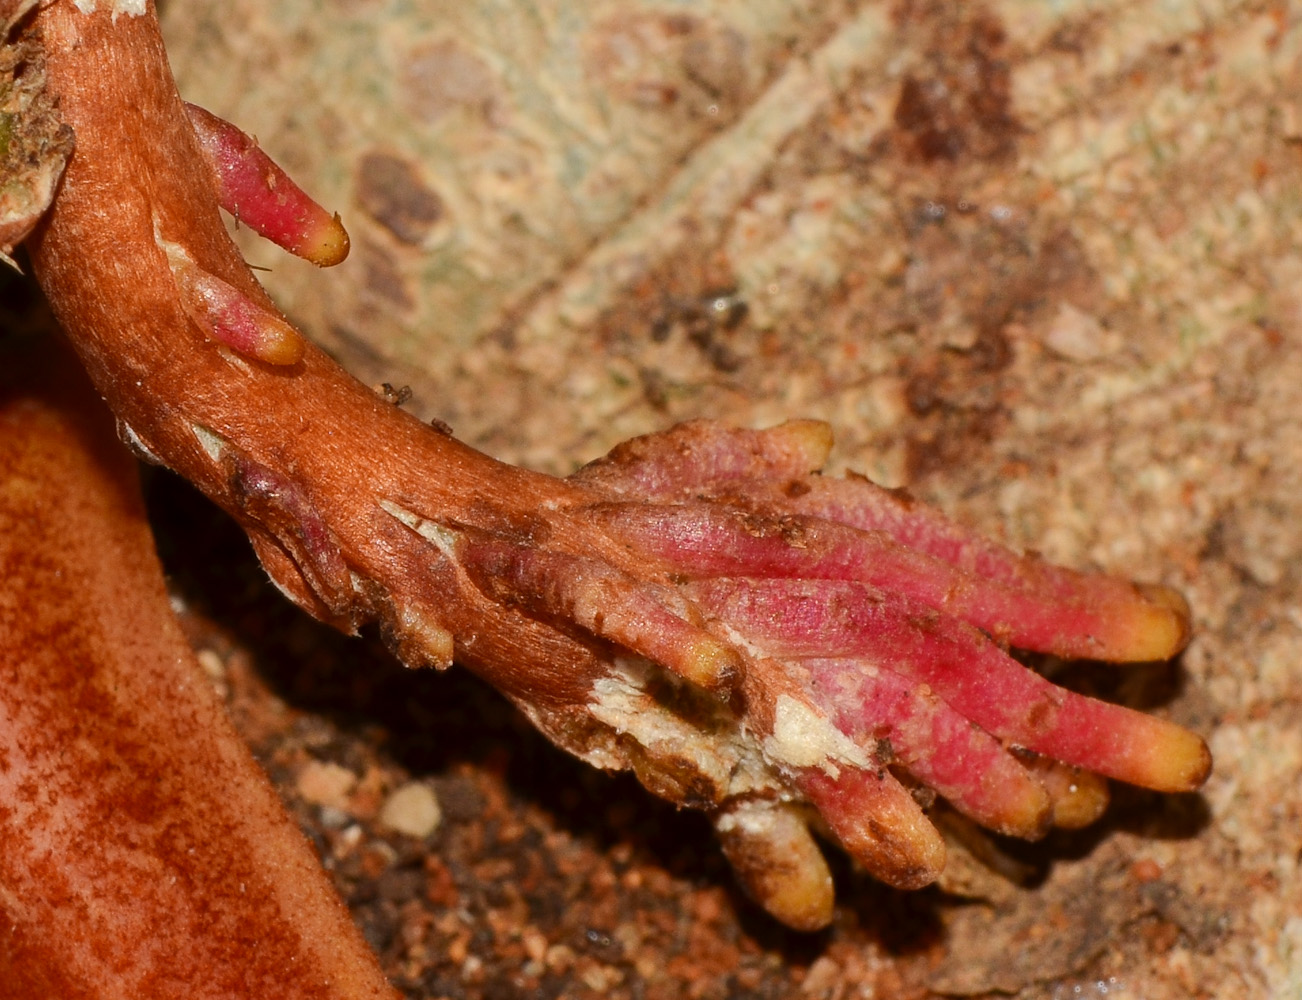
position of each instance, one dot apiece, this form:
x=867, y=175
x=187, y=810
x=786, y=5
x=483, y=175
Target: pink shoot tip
x=254, y=189
x=230, y=317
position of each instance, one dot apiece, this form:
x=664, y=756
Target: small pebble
x=1145, y=870
x=822, y=978
x=412, y=809
x=326, y=784
x=213, y=665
